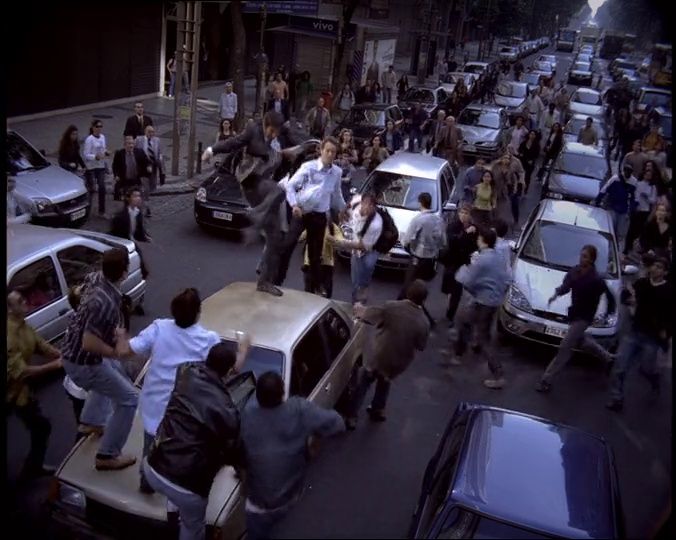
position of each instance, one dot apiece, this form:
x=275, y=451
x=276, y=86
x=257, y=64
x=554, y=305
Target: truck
x=566, y=40
x=590, y=35
x=611, y=44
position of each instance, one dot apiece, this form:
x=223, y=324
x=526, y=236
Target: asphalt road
x=366, y=483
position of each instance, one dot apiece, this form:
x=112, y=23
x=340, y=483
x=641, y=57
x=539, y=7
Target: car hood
x=408, y=105
x=474, y=134
x=587, y=110
x=537, y=283
x=580, y=72
x=52, y=182
x=505, y=101
x=575, y=186
x=224, y=187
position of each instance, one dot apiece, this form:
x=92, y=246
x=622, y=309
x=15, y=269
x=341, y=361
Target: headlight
x=517, y=299
x=607, y=321
x=43, y=205
x=487, y=144
x=69, y=498
x=201, y=195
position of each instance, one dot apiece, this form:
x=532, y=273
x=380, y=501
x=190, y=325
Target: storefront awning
x=309, y=33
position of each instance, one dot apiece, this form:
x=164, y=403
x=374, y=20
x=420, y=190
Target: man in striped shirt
x=89, y=359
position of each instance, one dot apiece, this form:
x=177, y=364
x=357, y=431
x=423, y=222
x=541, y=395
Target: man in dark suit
x=130, y=164
x=137, y=123
x=278, y=104
x=128, y=223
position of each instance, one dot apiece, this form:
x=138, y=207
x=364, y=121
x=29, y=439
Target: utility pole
x=195, y=24
x=178, y=90
x=262, y=60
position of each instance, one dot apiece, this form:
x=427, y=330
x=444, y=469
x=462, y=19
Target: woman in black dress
x=70, y=157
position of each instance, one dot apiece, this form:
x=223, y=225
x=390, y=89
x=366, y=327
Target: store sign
x=326, y=27
x=297, y=7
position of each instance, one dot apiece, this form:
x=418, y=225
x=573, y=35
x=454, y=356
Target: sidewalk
x=45, y=133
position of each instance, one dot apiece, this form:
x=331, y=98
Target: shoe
x=543, y=387
x=495, y=384
x=350, y=423
x=376, y=415
x=87, y=429
x=269, y=288
x=145, y=487
x=614, y=405
x=114, y=463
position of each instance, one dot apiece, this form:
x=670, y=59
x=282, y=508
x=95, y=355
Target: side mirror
x=629, y=270
x=450, y=207
x=512, y=245
x=353, y=191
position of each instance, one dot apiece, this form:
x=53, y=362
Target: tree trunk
x=349, y=6
x=238, y=58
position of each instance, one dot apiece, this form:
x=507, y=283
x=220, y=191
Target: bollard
x=199, y=157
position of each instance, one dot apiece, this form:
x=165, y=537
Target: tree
x=238, y=57
x=349, y=7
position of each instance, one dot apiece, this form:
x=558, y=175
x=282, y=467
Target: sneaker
x=495, y=384
x=114, y=463
x=614, y=405
x=376, y=415
x=269, y=288
x=350, y=423
x=543, y=387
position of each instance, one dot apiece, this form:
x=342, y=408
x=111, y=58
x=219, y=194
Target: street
x=366, y=483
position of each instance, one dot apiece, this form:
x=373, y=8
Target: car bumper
x=205, y=214
x=533, y=328
x=76, y=216
x=474, y=151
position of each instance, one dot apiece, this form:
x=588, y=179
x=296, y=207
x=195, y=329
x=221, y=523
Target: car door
x=39, y=282
x=448, y=187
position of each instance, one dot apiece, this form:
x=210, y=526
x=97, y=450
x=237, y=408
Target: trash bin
x=328, y=99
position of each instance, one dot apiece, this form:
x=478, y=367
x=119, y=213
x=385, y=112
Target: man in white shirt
x=95, y=154
x=366, y=225
x=228, y=104
x=549, y=118
x=517, y=136
x=168, y=343
x=535, y=108
x=311, y=192
x=389, y=82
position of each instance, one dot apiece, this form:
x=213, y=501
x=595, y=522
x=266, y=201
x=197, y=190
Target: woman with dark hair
x=485, y=197
x=304, y=89
x=657, y=231
x=225, y=130
x=392, y=138
x=70, y=157
x=346, y=100
x=375, y=154
x=402, y=86
x=529, y=150
x=553, y=146
x=657, y=179
x=378, y=96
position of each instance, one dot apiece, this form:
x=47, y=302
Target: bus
x=611, y=44
x=566, y=40
x=629, y=43
x=590, y=35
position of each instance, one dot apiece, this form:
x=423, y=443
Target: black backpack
x=389, y=236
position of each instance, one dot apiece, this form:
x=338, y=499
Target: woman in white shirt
x=95, y=154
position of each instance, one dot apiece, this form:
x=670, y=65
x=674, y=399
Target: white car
x=511, y=54
x=548, y=247
x=548, y=58
x=586, y=101
x=580, y=73
x=476, y=68
x=543, y=68
x=511, y=95
x=650, y=97
x=451, y=79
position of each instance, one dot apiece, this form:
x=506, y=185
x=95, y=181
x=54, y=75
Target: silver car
x=577, y=122
x=548, y=247
x=580, y=73
x=511, y=54
x=43, y=263
x=484, y=130
x=577, y=173
x=587, y=102
x=548, y=58
x=511, y=95
x=59, y=197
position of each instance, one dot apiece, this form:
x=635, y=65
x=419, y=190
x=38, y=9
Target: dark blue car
x=504, y=474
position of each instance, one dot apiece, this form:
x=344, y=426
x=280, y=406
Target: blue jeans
x=107, y=385
x=635, y=347
x=98, y=177
x=365, y=379
x=191, y=506
x=414, y=135
x=621, y=225
x=172, y=84
x=259, y=526
x=361, y=272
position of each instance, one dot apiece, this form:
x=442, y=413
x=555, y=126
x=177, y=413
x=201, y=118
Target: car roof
x=409, y=164
x=533, y=472
x=662, y=111
x=376, y=106
x=515, y=83
x=26, y=240
x=482, y=64
x=271, y=322
x=656, y=90
x=576, y=214
x=587, y=91
x=486, y=106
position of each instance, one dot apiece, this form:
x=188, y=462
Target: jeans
x=514, y=200
x=620, y=224
x=315, y=225
x=326, y=281
x=191, y=506
x=97, y=177
x=387, y=93
x=361, y=272
x=107, y=384
x=479, y=318
x=636, y=224
x=635, y=347
x=365, y=379
x=259, y=525
x=39, y=428
x=454, y=296
x=575, y=337
x=414, y=135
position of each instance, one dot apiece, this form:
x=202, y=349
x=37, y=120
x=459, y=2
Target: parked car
x=369, y=119
x=650, y=98
x=586, y=101
x=580, y=74
x=663, y=119
x=548, y=247
x=478, y=68
x=511, y=96
x=543, y=68
x=548, y=58
x=498, y=473
x=577, y=122
x=587, y=58
x=484, y=129
x=397, y=182
x=451, y=79
x=43, y=263
x=531, y=78
x=219, y=203
x=577, y=174
x=310, y=340
x=623, y=67
x=59, y=197
x=511, y=54
x=431, y=99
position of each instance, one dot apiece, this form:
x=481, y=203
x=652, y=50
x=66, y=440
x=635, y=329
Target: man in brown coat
x=401, y=328
x=449, y=142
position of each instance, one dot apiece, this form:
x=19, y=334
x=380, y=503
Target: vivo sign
x=326, y=27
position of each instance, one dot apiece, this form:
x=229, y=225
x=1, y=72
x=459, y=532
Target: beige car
x=309, y=339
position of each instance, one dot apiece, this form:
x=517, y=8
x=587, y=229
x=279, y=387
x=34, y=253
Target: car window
x=581, y=66
x=512, y=90
x=421, y=95
x=655, y=99
x=336, y=332
x=309, y=362
x=259, y=359
x=38, y=282
x=401, y=191
x=558, y=246
x=588, y=98
x=22, y=157
x=479, y=118
x=447, y=184
x=588, y=166
x=78, y=261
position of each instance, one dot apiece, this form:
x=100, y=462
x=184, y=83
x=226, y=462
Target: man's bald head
x=16, y=304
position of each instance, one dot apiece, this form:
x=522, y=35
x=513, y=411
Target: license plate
x=78, y=215
x=470, y=148
x=227, y=216
x=554, y=331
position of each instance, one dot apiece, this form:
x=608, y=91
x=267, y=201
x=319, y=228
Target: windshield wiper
x=548, y=264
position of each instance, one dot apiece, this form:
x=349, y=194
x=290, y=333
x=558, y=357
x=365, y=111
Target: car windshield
x=584, y=58
x=512, y=90
x=507, y=50
x=479, y=118
x=581, y=66
x=531, y=78
x=576, y=124
x=401, y=191
x=419, y=95
x=588, y=98
x=474, y=69
x=556, y=245
x=543, y=66
x=656, y=99
x=366, y=117
x=259, y=360
x=588, y=166
x=622, y=64
x=22, y=157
